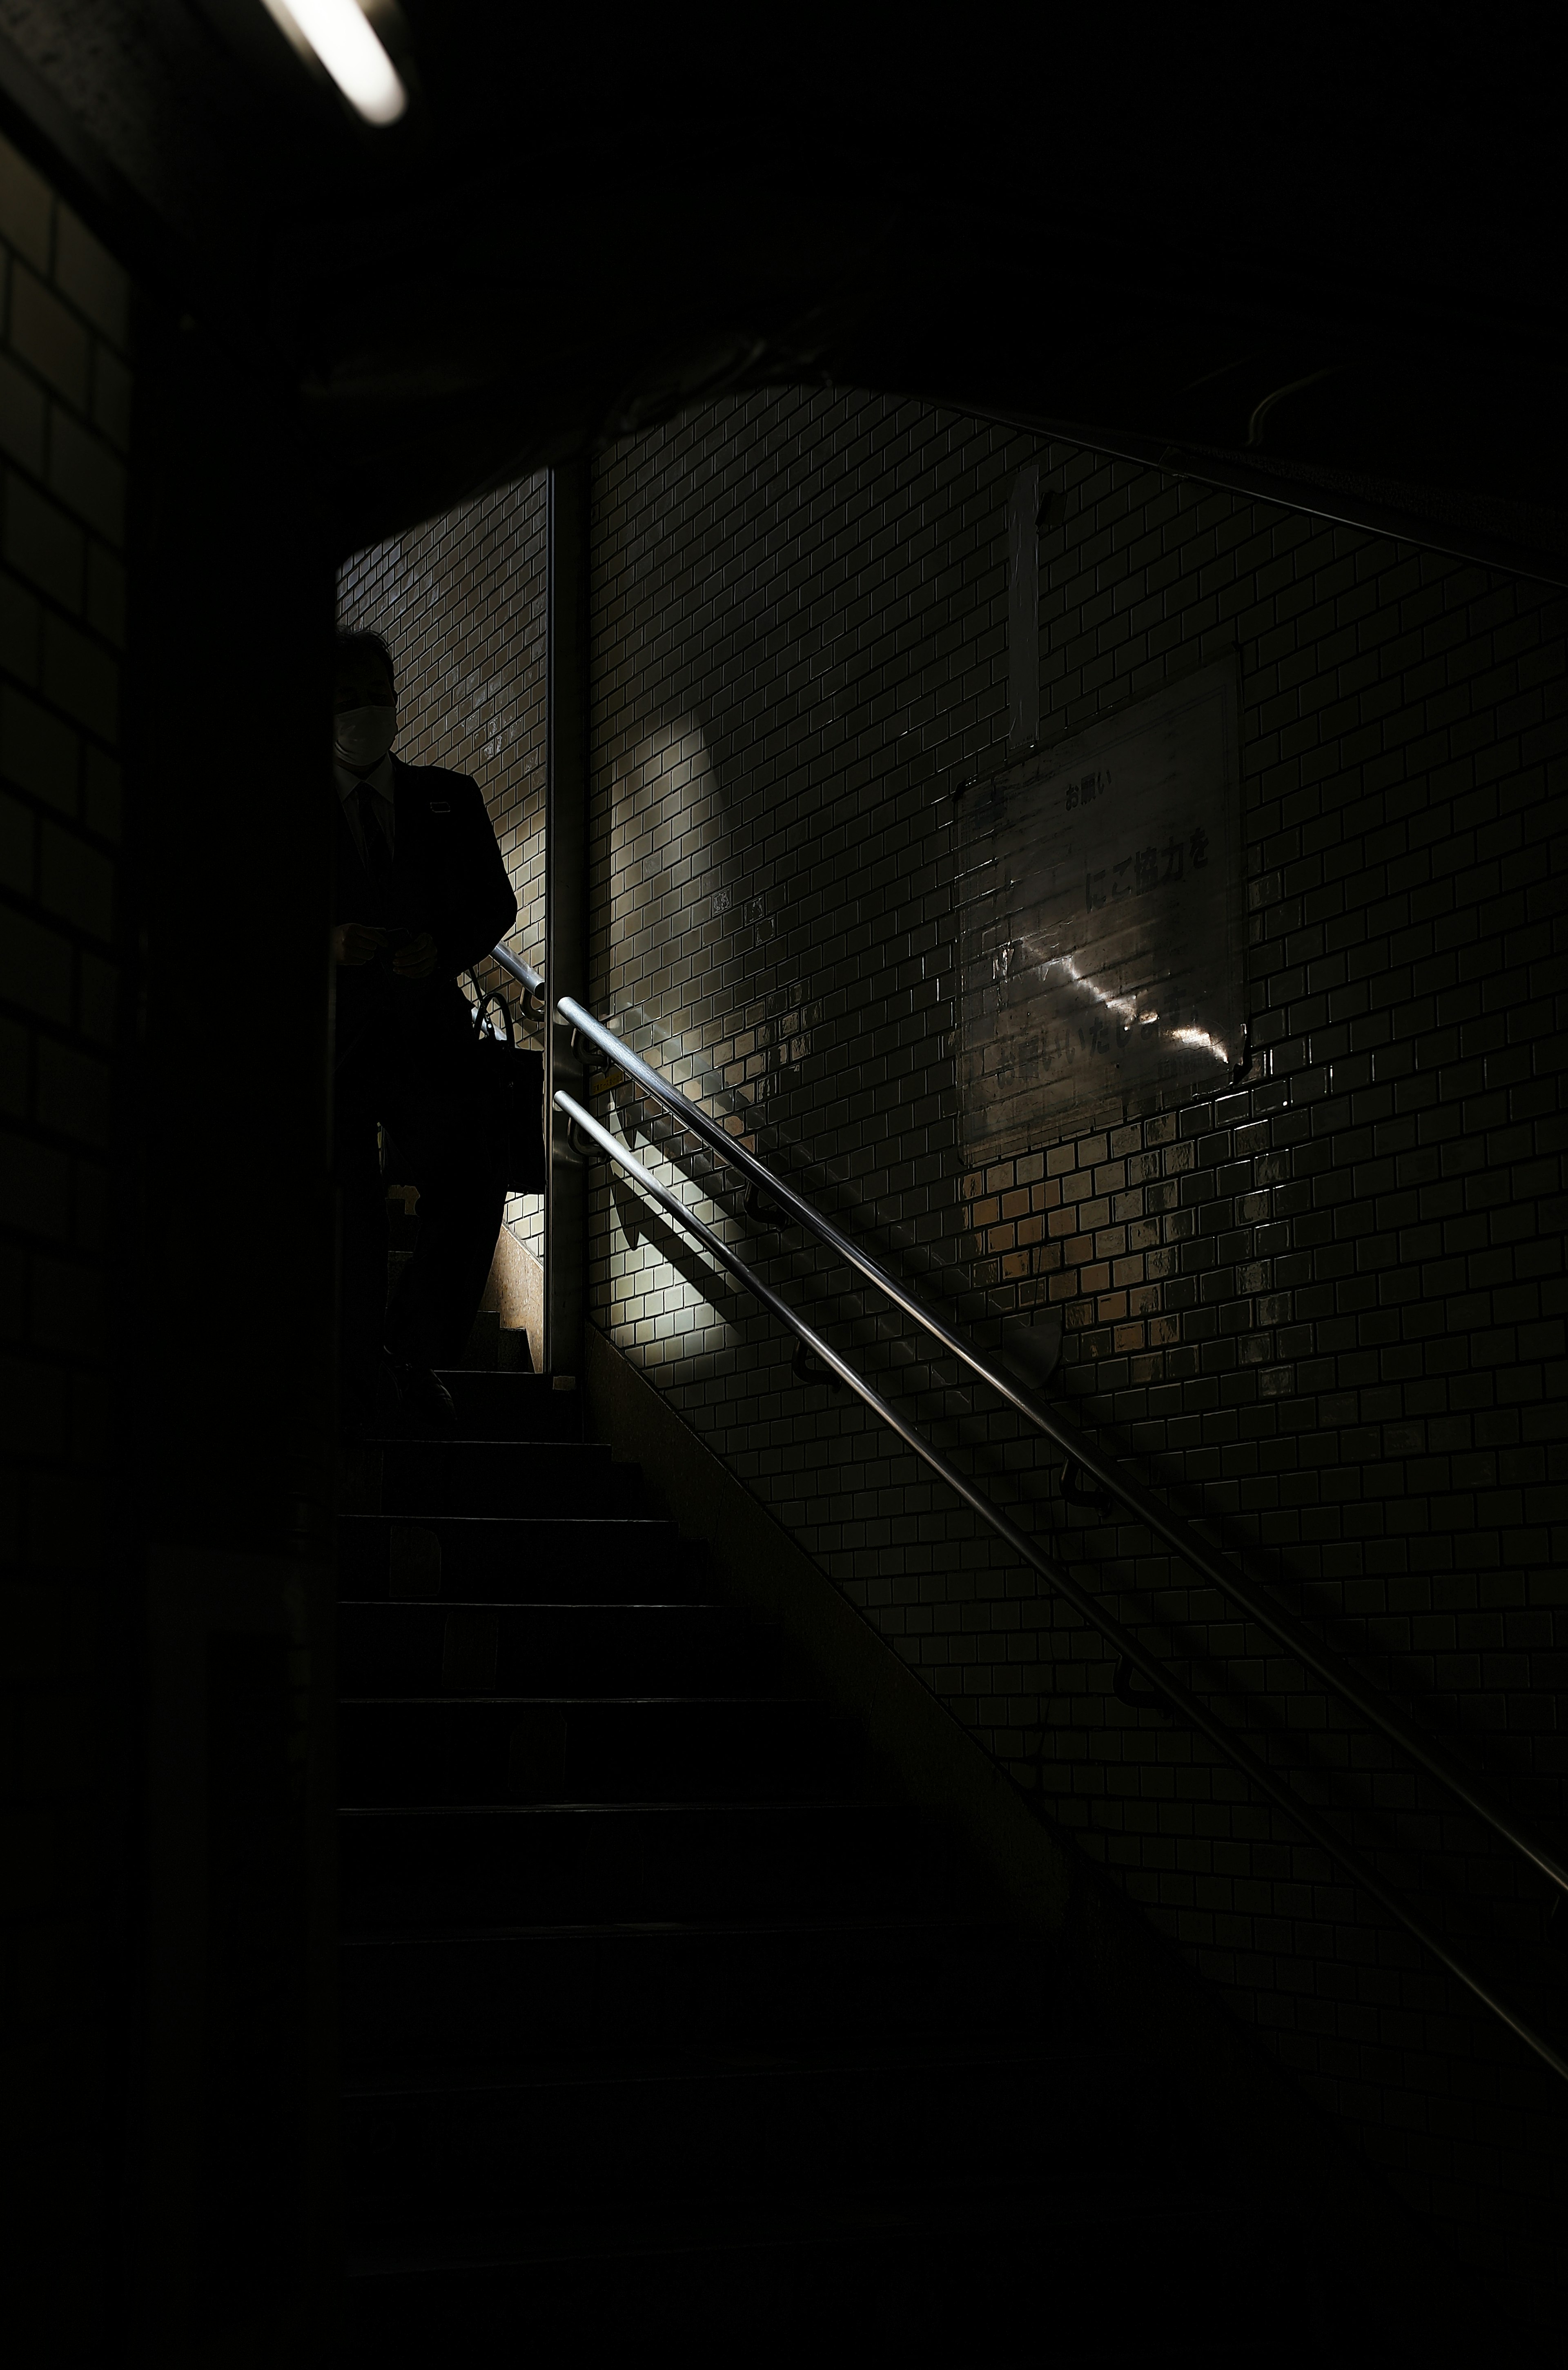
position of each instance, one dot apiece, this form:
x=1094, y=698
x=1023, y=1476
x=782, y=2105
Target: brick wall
x=1326, y=1308
x=64, y=422
x=461, y=603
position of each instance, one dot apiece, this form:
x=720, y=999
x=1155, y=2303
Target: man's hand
x=417, y=960
x=356, y=943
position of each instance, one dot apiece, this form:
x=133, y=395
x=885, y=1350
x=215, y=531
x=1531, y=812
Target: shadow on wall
x=693, y=981
x=639, y=1220
x=662, y=807
x=690, y=985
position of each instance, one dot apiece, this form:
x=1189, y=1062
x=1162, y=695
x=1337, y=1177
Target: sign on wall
x=1101, y=923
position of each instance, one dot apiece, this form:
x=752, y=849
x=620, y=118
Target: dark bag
x=516, y=1083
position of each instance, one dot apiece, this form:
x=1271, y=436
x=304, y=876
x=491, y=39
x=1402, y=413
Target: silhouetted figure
x=424, y=894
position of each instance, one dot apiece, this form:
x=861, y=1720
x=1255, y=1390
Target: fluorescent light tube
x=346, y=43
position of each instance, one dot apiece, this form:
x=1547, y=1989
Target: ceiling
x=1318, y=257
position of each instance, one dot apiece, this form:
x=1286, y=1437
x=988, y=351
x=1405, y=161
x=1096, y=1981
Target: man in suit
x=423, y=893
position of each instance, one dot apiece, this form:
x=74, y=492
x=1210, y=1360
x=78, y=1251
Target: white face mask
x=362, y=736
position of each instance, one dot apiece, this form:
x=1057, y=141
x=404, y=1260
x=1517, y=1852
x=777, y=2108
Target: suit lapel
x=407, y=805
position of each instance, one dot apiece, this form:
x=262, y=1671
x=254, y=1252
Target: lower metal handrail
x=1322, y=1661
x=1181, y=1698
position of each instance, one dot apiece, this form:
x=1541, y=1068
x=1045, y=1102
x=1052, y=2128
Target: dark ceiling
x=1320, y=257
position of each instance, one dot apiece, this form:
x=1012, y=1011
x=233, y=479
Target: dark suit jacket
x=447, y=877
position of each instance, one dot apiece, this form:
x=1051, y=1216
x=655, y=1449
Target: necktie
x=375, y=838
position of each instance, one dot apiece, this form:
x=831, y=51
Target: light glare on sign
x=1101, y=931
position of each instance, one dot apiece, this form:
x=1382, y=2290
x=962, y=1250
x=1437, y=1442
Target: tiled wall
x=461, y=603
x=1327, y=1308
x=65, y=429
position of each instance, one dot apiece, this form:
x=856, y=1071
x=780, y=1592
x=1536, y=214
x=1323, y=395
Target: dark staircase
x=664, y=2021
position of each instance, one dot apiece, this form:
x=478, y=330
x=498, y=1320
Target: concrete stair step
x=521, y=1478
x=515, y=1560
x=504, y=1403
x=491, y=1350
x=427, y=1750
x=547, y=1994
x=989, y=2274
x=463, y=1867
x=597, y=2138
x=555, y=1649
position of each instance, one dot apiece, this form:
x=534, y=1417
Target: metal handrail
x=1179, y=1697
x=523, y=972
x=529, y=980
x=1324, y=1664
